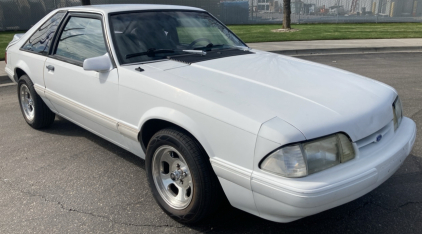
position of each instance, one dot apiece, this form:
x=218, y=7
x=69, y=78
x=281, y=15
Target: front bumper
x=285, y=200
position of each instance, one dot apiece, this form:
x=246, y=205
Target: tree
x=86, y=2
x=286, y=14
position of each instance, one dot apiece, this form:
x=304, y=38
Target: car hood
x=316, y=99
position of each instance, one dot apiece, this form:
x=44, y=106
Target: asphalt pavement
x=67, y=180
x=4, y=79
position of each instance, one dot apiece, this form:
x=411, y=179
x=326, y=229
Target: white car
x=281, y=138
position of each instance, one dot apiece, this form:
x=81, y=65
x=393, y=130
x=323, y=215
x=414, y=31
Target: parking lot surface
x=67, y=180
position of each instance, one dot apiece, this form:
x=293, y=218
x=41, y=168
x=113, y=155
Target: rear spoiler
x=16, y=38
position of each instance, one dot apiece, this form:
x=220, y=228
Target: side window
x=40, y=42
x=82, y=38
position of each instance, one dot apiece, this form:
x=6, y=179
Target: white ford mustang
x=280, y=137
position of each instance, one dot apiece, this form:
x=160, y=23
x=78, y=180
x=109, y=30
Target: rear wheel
x=35, y=112
x=181, y=177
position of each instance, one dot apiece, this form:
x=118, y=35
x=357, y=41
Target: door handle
x=50, y=68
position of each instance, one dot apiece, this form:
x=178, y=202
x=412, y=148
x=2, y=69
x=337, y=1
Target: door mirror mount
x=99, y=64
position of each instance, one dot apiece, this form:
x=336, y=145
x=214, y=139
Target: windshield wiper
x=200, y=52
x=150, y=53
x=209, y=46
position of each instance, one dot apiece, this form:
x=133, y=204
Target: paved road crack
x=63, y=207
x=370, y=201
x=360, y=207
x=408, y=203
x=397, y=208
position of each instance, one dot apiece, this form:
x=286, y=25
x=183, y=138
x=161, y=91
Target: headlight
x=309, y=157
x=398, y=113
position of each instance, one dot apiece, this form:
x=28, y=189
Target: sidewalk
x=340, y=46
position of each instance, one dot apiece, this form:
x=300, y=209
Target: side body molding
x=129, y=131
x=107, y=122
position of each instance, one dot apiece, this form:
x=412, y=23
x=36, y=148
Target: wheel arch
x=18, y=73
x=159, y=118
x=21, y=68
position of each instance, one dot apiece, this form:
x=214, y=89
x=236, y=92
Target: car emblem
x=379, y=137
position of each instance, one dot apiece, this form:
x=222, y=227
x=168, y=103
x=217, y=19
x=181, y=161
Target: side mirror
x=99, y=64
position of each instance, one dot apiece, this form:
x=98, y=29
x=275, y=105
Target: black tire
x=43, y=117
x=208, y=194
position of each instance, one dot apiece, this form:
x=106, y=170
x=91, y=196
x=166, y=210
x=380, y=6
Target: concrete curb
x=350, y=50
x=7, y=85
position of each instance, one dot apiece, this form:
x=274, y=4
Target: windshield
x=148, y=36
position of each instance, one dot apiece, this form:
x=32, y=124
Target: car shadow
x=392, y=207
x=4, y=80
x=64, y=127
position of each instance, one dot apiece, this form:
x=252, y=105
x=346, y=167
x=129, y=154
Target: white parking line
x=8, y=84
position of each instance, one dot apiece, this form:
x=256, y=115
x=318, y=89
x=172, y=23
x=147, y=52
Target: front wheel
x=181, y=177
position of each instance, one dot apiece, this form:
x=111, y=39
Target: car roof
x=128, y=7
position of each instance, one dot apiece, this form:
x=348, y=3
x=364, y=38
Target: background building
x=21, y=14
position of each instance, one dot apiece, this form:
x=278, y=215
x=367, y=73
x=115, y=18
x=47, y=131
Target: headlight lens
x=398, y=113
x=287, y=161
x=310, y=157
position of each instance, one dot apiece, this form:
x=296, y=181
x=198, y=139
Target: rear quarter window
x=40, y=41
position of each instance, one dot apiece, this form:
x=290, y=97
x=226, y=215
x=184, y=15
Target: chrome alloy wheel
x=172, y=177
x=27, y=103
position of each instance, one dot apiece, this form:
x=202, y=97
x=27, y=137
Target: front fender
x=180, y=119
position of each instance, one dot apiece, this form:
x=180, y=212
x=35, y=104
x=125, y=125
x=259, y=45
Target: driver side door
x=88, y=98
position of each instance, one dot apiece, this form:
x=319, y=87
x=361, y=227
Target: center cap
x=175, y=175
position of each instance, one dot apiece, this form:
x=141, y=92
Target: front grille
x=383, y=135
